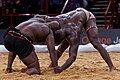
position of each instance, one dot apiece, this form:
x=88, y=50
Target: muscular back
x=37, y=29
x=34, y=28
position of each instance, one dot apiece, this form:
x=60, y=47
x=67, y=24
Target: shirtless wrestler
x=19, y=41
x=78, y=19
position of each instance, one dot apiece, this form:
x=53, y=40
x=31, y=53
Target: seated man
x=70, y=34
x=19, y=41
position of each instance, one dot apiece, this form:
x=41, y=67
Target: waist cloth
x=17, y=42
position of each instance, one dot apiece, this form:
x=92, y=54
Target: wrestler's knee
x=33, y=68
x=32, y=63
x=32, y=71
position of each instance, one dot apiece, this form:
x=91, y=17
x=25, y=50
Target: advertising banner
x=106, y=36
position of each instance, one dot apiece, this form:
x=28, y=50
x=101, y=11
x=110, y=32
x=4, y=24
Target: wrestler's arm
x=51, y=48
x=63, y=46
x=93, y=37
x=72, y=55
x=11, y=57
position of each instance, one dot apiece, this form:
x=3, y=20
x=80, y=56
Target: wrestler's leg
x=31, y=61
x=63, y=46
x=11, y=57
x=93, y=37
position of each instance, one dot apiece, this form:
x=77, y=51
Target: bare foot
x=9, y=70
x=113, y=69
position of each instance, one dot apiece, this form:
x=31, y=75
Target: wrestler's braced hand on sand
x=57, y=69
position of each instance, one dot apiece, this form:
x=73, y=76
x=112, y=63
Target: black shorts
x=21, y=47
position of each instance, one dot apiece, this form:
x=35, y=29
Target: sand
x=88, y=66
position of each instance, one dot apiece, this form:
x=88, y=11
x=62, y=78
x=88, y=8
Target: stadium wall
x=110, y=39
x=106, y=36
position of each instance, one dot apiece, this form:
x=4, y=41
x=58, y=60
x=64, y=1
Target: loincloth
x=18, y=43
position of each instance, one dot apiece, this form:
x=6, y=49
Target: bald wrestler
x=19, y=41
x=76, y=20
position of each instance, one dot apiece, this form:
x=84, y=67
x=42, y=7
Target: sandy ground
x=88, y=66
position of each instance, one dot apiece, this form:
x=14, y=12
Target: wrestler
x=82, y=19
x=19, y=41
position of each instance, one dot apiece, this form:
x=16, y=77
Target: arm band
x=90, y=28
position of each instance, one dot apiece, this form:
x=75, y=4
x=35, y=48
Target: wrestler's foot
x=113, y=69
x=9, y=70
x=32, y=71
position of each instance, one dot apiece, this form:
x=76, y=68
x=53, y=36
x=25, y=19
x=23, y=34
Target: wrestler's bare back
x=36, y=30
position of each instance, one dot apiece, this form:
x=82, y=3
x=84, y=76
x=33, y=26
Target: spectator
x=25, y=6
x=35, y=6
x=43, y=7
x=17, y=7
x=118, y=12
x=119, y=15
x=77, y=4
x=73, y=4
x=83, y=3
x=0, y=11
x=90, y=4
x=56, y=5
x=8, y=6
x=1, y=17
x=0, y=3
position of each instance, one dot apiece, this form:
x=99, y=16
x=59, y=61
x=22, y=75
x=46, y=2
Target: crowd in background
x=21, y=6
x=37, y=7
x=40, y=7
x=118, y=12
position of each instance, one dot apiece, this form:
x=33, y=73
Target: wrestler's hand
x=51, y=65
x=9, y=70
x=57, y=69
